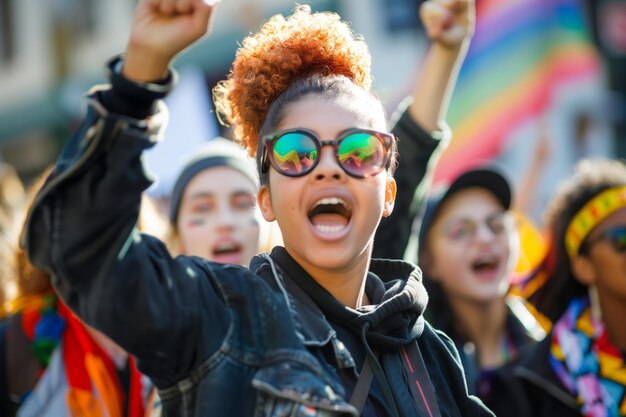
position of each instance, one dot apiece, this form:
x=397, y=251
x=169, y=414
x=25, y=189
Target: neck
x=613, y=311
x=483, y=324
x=345, y=283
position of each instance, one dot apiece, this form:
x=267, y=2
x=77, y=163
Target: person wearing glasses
x=313, y=328
x=468, y=248
x=578, y=369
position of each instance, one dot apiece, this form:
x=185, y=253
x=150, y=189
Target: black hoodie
x=342, y=337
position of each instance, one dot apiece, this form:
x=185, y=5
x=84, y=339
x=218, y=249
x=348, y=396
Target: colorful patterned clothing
x=586, y=362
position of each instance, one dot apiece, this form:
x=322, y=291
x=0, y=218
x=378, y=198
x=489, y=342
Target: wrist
x=141, y=65
x=133, y=98
x=453, y=49
x=449, y=55
x=138, y=89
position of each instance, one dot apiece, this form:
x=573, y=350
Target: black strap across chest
x=362, y=388
x=420, y=383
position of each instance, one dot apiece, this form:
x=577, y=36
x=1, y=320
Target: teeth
x=331, y=200
x=329, y=229
x=226, y=246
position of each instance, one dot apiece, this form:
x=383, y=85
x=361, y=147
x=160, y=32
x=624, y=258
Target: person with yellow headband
x=578, y=370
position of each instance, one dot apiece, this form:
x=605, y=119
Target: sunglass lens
x=362, y=154
x=294, y=153
x=618, y=238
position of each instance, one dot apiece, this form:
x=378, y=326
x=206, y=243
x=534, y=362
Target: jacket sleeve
x=418, y=153
x=82, y=230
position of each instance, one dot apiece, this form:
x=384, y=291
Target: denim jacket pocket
x=290, y=389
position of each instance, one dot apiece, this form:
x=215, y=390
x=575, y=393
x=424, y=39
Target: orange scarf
x=94, y=389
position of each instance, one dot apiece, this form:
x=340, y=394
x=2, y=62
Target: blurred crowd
x=520, y=239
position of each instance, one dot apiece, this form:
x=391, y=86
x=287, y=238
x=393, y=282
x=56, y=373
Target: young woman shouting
x=313, y=328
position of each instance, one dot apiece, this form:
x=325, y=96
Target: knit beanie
x=219, y=152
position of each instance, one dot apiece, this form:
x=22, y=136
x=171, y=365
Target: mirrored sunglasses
x=361, y=153
x=616, y=236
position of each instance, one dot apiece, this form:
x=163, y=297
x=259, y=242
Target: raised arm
x=449, y=25
x=421, y=128
x=82, y=227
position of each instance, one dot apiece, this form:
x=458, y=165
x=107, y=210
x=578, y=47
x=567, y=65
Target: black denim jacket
x=215, y=339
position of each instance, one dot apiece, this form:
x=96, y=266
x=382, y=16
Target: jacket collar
x=309, y=320
x=311, y=324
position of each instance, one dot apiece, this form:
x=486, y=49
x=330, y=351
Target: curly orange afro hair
x=286, y=49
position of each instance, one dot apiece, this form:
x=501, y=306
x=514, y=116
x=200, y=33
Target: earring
x=594, y=300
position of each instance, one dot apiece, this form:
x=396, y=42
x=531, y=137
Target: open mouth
x=486, y=265
x=330, y=214
x=227, y=252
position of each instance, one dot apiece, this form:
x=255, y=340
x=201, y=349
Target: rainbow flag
x=521, y=52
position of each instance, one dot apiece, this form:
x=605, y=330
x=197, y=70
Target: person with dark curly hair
x=578, y=369
x=313, y=328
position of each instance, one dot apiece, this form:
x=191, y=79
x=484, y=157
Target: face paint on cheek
x=194, y=223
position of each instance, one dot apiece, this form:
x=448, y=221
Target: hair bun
x=286, y=49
